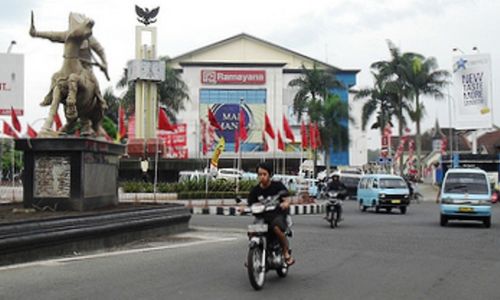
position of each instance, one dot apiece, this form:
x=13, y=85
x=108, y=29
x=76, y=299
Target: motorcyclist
x=335, y=185
x=276, y=219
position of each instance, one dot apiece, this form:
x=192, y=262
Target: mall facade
x=246, y=72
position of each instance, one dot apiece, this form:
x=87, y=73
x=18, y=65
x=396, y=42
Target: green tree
x=423, y=78
x=314, y=85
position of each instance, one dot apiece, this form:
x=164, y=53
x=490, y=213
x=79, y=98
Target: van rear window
x=471, y=183
x=390, y=183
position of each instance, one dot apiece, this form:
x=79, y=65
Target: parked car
x=465, y=194
x=193, y=175
x=229, y=174
x=383, y=191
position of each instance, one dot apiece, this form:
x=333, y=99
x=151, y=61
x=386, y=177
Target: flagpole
x=240, y=146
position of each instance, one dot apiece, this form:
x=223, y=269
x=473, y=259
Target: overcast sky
x=349, y=34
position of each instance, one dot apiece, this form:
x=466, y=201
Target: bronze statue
x=75, y=85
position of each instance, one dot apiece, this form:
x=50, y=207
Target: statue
x=146, y=16
x=75, y=85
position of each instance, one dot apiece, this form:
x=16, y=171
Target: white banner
x=11, y=83
x=472, y=91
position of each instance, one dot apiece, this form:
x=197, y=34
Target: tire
x=402, y=209
x=361, y=206
x=443, y=220
x=487, y=222
x=377, y=209
x=388, y=209
x=256, y=272
x=332, y=219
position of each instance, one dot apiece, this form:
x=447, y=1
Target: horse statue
x=75, y=85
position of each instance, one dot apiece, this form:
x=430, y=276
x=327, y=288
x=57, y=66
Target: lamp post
x=12, y=43
x=240, y=144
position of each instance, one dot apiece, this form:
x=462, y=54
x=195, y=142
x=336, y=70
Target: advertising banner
x=472, y=91
x=11, y=83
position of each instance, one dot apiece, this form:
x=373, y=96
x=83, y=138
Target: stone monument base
x=70, y=173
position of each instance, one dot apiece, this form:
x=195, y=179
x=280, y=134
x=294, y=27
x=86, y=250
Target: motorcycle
x=334, y=207
x=264, y=250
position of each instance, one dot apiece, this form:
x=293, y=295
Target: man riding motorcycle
x=336, y=185
x=276, y=219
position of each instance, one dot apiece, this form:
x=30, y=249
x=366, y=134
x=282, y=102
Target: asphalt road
x=370, y=256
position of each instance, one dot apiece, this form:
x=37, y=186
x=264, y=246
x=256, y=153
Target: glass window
x=392, y=183
x=472, y=183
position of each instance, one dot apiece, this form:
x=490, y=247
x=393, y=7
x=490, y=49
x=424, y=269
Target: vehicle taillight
x=494, y=197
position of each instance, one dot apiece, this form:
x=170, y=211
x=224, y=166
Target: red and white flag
x=303, y=135
x=265, y=146
x=288, y=130
x=31, y=132
x=268, y=127
x=163, y=122
x=15, y=120
x=281, y=144
x=213, y=121
x=7, y=130
x=57, y=121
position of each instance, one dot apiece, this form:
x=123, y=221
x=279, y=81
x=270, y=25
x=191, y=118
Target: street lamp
x=458, y=49
x=475, y=49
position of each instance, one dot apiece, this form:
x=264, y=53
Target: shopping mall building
x=248, y=72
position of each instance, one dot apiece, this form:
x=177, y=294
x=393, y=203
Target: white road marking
x=59, y=261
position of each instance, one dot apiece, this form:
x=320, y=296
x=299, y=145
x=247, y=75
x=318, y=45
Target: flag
x=312, y=135
x=31, y=132
x=204, y=147
x=288, y=130
x=213, y=120
x=57, y=121
x=444, y=145
x=281, y=145
x=163, y=122
x=243, y=130
x=7, y=130
x=217, y=152
x=318, y=135
x=303, y=135
x=269, y=128
x=236, y=141
x=265, y=146
x=122, y=130
x=15, y=120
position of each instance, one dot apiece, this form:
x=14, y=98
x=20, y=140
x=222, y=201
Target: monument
x=63, y=171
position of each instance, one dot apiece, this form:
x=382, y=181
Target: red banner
x=233, y=76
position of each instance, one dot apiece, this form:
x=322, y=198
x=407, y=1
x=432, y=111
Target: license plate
x=396, y=201
x=257, y=228
x=465, y=209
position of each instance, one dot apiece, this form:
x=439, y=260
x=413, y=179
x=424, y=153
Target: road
x=370, y=256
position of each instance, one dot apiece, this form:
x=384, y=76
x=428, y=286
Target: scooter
x=334, y=207
x=264, y=250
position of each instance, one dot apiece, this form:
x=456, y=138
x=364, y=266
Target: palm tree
x=313, y=86
x=333, y=128
x=392, y=72
x=172, y=92
x=423, y=78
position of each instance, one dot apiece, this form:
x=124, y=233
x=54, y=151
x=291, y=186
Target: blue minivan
x=383, y=191
x=465, y=195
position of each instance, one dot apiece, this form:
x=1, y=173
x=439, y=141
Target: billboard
x=472, y=91
x=11, y=83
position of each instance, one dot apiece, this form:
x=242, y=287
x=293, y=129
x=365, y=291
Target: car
x=193, y=175
x=383, y=191
x=229, y=174
x=465, y=194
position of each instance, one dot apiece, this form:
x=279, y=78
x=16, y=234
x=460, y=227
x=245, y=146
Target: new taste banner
x=472, y=91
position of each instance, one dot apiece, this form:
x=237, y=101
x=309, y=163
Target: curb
x=295, y=209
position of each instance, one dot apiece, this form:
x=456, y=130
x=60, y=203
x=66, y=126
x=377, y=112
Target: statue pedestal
x=70, y=173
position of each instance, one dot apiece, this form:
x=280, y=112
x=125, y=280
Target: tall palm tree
x=172, y=92
x=392, y=72
x=333, y=128
x=313, y=86
x=423, y=78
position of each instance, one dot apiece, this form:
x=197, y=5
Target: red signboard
x=177, y=138
x=233, y=76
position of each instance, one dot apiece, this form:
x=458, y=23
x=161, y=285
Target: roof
x=244, y=36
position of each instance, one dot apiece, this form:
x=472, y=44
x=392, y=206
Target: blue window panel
x=215, y=96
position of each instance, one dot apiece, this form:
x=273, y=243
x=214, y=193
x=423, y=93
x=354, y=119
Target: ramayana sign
x=233, y=76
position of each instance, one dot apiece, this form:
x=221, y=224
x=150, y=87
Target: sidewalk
x=428, y=191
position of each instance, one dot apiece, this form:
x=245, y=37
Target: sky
x=349, y=34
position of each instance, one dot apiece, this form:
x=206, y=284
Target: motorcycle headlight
x=257, y=208
x=406, y=196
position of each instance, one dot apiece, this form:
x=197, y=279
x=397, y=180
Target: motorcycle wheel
x=256, y=272
x=333, y=219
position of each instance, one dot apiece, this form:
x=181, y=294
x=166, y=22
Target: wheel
x=443, y=220
x=388, y=209
x=283, y=271
x=361, y=206
x=256, y=271
x=332, y=219
x=487, y=222
x=377, y=209
x=402, y=209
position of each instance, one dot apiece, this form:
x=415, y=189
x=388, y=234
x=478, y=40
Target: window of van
x=472, y=183
x=392, y=183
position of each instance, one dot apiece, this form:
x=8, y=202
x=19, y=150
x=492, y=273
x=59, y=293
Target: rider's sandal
x=289, y=261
